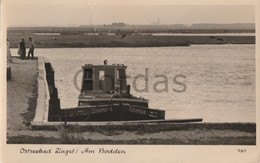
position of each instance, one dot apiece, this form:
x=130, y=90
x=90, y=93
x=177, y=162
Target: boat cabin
x=104, y=78
x=105, y=96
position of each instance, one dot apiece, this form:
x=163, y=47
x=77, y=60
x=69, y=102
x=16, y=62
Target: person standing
x=22, y=49
x=31, y=46
x=9, y=56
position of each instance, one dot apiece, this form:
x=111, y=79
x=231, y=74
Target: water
x=47, y=34
x=203, y=34
x=220, y=79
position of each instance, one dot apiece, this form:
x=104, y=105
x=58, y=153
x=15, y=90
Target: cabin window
x=102, y=75
x=117, y=75
x=105, y=79
x=121, y=76
x=88, y=74
x=87, y=80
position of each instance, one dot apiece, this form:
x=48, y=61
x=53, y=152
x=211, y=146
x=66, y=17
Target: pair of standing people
x=22, y=49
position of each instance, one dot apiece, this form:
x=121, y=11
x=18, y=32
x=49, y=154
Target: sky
x=91, y=12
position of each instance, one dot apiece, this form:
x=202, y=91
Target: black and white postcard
x=129, y=81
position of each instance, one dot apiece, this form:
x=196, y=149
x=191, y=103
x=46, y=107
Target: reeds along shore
x=78, y=41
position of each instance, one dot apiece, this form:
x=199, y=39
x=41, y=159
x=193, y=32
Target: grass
x=174, y=141
x=75, y=134
x=153, y=128
x=72, y=135
x=127, y=30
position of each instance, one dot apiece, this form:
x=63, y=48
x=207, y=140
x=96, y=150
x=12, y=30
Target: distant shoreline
x=133, y=35
x=81, y=41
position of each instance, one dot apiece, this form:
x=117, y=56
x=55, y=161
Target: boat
x=105, y=96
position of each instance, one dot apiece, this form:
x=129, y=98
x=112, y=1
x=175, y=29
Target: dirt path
x=21, y=94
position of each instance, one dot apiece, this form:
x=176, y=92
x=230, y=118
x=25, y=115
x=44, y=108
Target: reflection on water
x=220, y=79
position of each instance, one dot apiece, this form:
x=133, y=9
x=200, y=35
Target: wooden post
x=54, y=102
x=8, y=72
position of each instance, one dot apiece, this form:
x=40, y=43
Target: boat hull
x=115, y=112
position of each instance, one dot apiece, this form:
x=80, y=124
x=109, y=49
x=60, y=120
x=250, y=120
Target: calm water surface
x=220, y=79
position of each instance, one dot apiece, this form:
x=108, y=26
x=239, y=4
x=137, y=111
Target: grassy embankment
x=196, y=134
